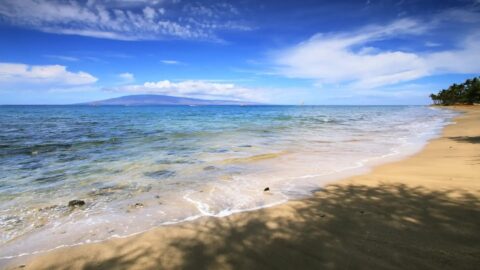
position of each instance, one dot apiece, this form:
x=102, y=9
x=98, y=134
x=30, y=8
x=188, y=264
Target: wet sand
x=419, y=213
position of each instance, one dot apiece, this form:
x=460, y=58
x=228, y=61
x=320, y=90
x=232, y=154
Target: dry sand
x=419, y=213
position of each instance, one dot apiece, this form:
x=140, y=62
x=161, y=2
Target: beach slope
x=419, y=213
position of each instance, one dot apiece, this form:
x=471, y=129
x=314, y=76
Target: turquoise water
x=141, y=167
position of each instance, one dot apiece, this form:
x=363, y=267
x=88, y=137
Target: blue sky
x=279, y=52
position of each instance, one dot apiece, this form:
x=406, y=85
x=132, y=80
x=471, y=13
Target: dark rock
x=157, y=197
x=219, y=151
x=266, y=189
x=172, y=161
x=160, y=174
x=246, y=145
x=138, y=205
x=209, y=168
x=76, y=203
x=362, y=212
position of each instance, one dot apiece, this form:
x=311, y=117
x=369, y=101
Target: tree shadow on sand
x=344, y=227
x=466, y=139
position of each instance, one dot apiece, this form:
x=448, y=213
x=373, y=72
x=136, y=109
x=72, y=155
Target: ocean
x=141, y=167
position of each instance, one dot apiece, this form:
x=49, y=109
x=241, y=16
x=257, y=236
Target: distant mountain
x=146, y=100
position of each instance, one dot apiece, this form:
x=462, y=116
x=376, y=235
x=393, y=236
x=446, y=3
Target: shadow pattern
x=391, y=226
x=466, y=139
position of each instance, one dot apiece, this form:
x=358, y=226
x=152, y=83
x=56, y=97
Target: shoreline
x=197, y=243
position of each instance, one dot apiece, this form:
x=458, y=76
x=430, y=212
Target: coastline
x=420, y=212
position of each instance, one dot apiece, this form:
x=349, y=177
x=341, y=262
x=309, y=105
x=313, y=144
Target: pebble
x=76, y=203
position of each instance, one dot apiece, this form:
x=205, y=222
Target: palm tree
x=464, y=93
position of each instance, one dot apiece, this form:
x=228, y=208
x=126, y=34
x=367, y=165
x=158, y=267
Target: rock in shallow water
x=245, y=146
x=76, y=203
x=160, y=174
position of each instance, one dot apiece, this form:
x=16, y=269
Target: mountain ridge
x=149, y=100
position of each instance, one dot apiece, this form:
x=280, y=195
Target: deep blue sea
x=141, y=167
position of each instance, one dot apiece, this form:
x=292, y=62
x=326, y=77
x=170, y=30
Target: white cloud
x=121, y=20
x=170, y=62
x=47, y=74
x=351, y=59
x=432, y=44
x=63, y=57
x=194, y=88
x=126, y=77
x=465, y=59
x=149, y=13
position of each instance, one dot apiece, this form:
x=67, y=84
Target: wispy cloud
x=62, y=57
x=124, y=20
x=126, y=77
x=194, y=88
x=351, y=58
x=47, y=74
x=170, y=62
x=83, y=89
x=432, y=44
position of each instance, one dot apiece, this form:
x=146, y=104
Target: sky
x=275, y=52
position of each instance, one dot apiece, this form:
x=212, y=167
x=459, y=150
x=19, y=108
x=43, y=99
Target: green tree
x=464, y=93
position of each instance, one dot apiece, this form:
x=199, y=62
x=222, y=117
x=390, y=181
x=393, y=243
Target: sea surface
x=142, y=167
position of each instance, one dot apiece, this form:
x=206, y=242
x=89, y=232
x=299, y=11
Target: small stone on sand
x=76, y=203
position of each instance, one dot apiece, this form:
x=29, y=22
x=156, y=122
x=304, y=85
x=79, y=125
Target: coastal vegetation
x=467, y=93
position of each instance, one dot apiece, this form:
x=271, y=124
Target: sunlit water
x=141, y=167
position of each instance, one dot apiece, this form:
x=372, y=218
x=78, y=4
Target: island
x=155, y=100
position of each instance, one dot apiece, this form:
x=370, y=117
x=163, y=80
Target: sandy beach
x=419, y=213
